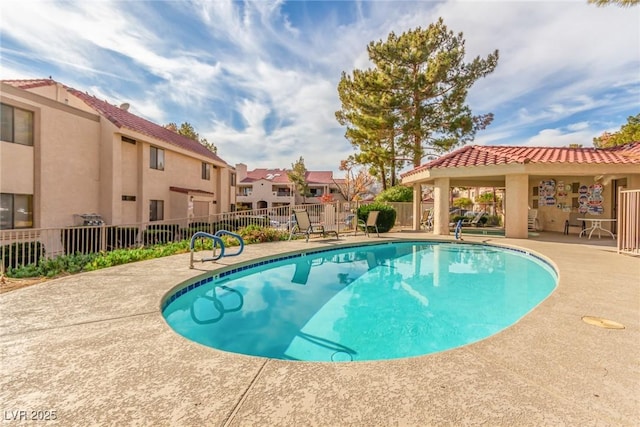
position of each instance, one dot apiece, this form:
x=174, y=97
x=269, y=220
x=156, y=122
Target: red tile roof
x=29, y=84
x=280, y=176
x=122, y=118
x=489, y=155
x=273, y=175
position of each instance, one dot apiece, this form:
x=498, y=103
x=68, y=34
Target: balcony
x=282, y=194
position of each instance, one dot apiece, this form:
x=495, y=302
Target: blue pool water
x=371, y=302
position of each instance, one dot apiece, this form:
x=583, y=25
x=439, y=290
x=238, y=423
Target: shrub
x=386, y=217
x=397, y=193
x=258, y=234
x=493, y=220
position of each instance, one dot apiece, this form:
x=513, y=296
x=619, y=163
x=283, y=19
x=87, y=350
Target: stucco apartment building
x=270, y=188
x=65, y=154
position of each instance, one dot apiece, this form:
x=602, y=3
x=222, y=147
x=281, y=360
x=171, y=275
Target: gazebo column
x=516, y=206
x=417, y=205
x=441, y=206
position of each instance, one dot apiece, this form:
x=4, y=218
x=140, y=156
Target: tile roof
x=273, y=175
x=122, y=118
x=280, y=176
x=489, y=155
x=30, y=83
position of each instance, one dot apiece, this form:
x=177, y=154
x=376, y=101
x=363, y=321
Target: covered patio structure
x=554, y=180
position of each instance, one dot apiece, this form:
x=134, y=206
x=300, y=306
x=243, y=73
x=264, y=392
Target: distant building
x=65, y=155
x=267, y=188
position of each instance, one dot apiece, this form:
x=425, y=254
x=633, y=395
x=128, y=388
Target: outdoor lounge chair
x=304, y=226
x=372, y=219
x=475, y=221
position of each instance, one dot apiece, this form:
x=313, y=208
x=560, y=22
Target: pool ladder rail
x=217, y=240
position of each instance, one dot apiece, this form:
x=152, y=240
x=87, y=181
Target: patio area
x=95, y=349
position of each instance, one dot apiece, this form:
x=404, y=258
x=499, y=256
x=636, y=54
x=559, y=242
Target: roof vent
x=124, y=106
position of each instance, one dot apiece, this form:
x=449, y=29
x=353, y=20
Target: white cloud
x=567, y=70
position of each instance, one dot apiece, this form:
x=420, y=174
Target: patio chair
x=303, y=226
x=372, y=219
x=426, y=222
x=573, y=221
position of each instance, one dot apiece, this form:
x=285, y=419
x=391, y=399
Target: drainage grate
x=603, y=323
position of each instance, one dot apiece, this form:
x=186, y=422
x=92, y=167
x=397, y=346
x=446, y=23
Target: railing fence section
x=20, y=247
x=629, y=222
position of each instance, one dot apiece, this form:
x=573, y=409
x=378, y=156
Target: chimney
x=241, y=171
x=124, y=106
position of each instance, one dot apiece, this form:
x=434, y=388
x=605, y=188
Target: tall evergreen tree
x=413, y=101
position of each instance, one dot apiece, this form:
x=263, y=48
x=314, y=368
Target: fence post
x=103, y=238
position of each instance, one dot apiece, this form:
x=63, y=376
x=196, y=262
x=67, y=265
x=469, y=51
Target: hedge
x=386, y=217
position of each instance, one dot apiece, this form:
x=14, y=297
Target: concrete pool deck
x=95, y=349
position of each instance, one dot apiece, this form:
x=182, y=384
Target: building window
x=206, y=171
x=17, y=125
x=156, y=160
x=16, y=211
x=233, y=179
x=156, y=210
x=128, y=198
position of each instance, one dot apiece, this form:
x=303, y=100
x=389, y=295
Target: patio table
x=596, y=224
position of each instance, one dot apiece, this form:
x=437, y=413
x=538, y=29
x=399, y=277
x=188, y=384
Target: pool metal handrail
x=217, y=240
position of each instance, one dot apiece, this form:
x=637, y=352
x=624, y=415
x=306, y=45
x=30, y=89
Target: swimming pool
x=367, y=302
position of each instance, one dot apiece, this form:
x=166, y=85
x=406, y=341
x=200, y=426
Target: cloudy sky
x=259, y=78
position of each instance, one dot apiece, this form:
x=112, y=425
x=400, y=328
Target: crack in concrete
x=244, y=395
x=88, y=322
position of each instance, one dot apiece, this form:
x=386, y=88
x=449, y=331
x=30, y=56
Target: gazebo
x=554, y=180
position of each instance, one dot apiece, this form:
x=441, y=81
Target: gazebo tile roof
x=488, y=155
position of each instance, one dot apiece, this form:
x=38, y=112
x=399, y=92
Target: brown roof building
x=65, y=153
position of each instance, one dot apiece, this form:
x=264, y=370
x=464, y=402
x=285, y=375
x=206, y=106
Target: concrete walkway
x=95, y=349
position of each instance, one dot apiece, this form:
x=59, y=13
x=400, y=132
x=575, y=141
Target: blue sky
x=259, y=78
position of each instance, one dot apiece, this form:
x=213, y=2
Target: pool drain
x=341, y=356
x=603, y=323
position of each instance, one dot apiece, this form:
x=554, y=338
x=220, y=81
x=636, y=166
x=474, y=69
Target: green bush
x=397, y=193
x=386, y=217
x=54, y=266
x=258, y=234
x=493, y=220
x=75, y=263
